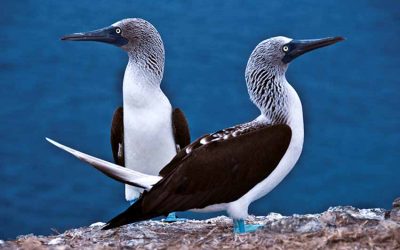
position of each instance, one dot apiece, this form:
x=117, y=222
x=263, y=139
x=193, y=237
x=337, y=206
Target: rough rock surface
x=336, y=228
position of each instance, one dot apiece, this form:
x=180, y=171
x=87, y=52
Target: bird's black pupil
x=285, y=48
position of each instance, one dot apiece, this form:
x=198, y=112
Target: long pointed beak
x=105, y=35
x=299, y=47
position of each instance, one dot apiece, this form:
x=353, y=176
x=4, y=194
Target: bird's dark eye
x=285, y=48
x=118, y=30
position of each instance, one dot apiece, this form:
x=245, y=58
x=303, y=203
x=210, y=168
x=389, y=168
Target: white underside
x=148, y=136
x=239, y=208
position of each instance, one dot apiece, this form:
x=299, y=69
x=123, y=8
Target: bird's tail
x=112, y=170
x=133, y=214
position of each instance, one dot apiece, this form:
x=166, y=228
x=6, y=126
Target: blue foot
x=239, y=227
x=172, y=218
x=131, y=202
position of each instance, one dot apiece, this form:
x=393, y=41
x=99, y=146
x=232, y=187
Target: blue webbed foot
x=172, y=218
x=239, y=227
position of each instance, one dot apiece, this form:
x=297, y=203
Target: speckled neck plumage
x=150, y=61
x=267, y=89
x=145, y=47
x=266, y=81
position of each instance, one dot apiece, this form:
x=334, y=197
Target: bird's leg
x=172, y=218
x=239, y=227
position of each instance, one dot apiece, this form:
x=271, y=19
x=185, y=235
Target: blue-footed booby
x=229, y=169
x=146, y=133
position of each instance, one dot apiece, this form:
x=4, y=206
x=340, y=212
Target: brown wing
x=117, y=136
x=181, y=129
x=219, y=171
x=205, y=139
x=181, y=136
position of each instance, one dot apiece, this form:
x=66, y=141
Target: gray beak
x=105, y=35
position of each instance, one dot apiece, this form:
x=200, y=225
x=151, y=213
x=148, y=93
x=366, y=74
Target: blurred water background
x=68, y=91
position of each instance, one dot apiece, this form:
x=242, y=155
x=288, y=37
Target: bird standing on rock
x=146, y=133
x=229, y=169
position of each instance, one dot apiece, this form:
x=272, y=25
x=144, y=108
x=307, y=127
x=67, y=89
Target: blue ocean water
x=68, y=91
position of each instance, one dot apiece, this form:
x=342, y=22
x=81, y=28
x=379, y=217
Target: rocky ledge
x=337, y=228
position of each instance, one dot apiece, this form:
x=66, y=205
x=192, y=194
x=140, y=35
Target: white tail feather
x=112, y=170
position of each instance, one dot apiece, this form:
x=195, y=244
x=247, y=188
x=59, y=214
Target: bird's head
x=136, y=36
x=265, y=71
x=277, y=52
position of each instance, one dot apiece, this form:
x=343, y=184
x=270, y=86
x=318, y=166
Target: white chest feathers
x=148, y=137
